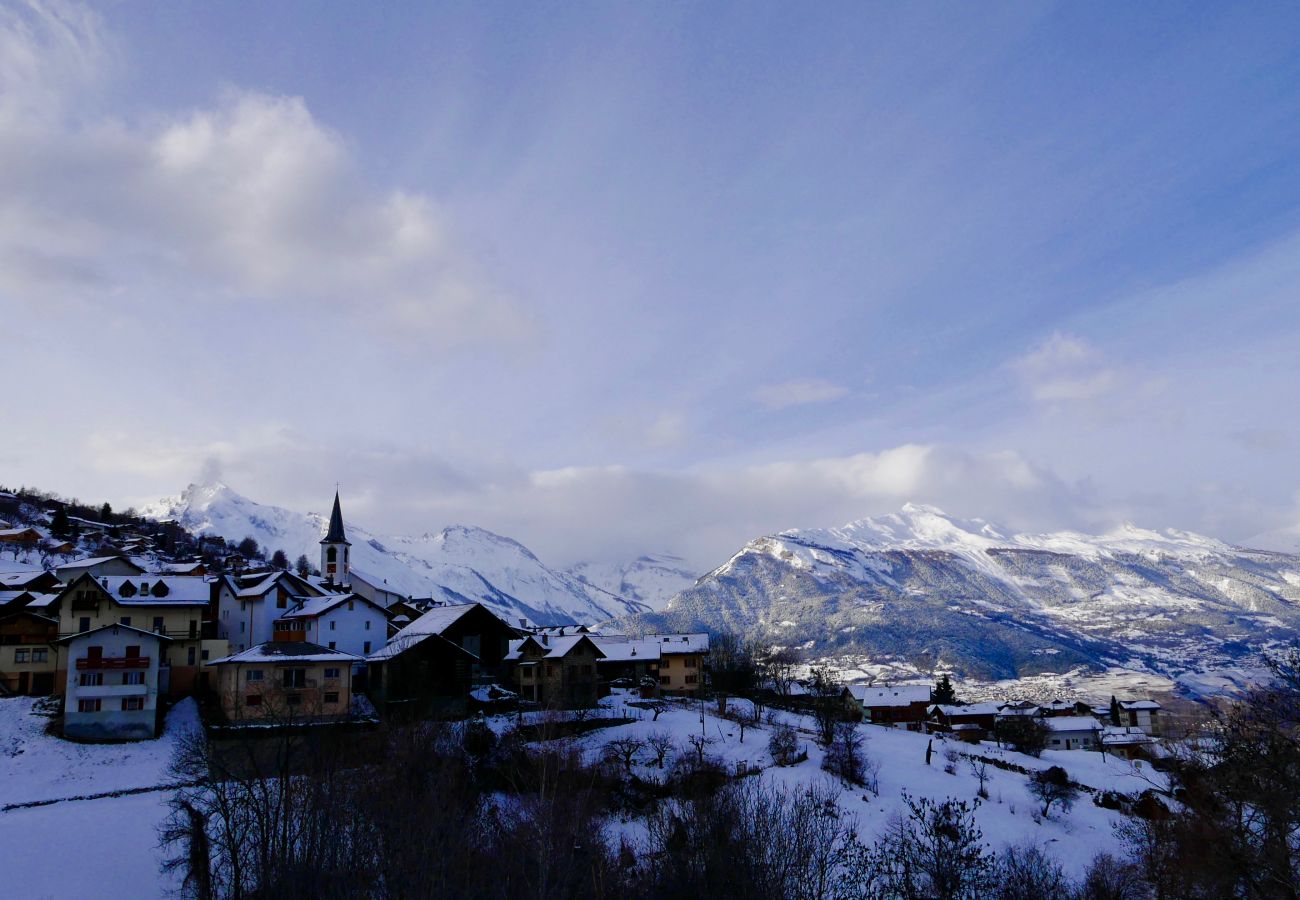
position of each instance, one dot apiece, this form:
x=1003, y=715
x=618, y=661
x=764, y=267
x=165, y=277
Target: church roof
x=335, y=535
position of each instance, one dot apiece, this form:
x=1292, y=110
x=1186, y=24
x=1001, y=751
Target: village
x=261, y=645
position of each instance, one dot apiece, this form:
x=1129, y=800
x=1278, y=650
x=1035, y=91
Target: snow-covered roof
x=897, y=695
x=180, y=568
x=83, y=634
x=970, y=709
x=18, y=532
x=1071, y=723
x=91, y=561
x=1019, y=708
x=21, y=579
x=182, y=590
x=681, y=643
x=1139, y=704
x=433, y=622
x=287, y=652
x=1059, y=704
x=310, y=607
x=555, y=647
x=621, y=648
x=1112, y=735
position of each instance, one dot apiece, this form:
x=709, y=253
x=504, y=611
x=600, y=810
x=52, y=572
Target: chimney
x=546, y=638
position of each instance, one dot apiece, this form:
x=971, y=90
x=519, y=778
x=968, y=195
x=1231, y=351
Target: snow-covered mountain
x=926, y=590
x=653, y=579
x=457, y=563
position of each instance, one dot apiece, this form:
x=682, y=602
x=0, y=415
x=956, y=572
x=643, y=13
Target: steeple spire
x=335, y=534
x=335, y=561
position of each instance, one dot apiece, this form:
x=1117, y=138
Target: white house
x=112, y=683
x=345, y=622
x=375, y=589
x=1072, y=732
x=249, y=605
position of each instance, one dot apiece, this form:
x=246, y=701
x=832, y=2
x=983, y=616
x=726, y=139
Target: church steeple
x=334, y=554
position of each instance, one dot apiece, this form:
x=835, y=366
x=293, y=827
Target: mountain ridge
x=459, y=562
x=926, y=590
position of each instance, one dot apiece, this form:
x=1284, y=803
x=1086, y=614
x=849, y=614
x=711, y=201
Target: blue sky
x=622, y=277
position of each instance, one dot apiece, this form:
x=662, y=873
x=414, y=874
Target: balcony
x=112, y=662
x=109, y=690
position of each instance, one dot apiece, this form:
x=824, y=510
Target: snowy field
x=106, y=848
x=114, y=839
x=1008, y=817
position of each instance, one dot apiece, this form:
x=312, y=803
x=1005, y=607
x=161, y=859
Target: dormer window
x=144, y=588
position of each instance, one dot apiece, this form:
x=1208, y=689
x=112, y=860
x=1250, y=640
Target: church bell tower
x=334, y=555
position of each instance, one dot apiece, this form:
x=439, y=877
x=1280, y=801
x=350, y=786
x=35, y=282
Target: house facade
x=347, y=622
x=1072, y=732
x=438, y=658
x=903, y=704
x=176, y=608
x=112, y=683
x=556, y=671
x=248, y=606
x=28, y=653
x=286, y=681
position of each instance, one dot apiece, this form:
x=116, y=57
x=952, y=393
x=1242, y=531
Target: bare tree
x=660, y=745
x=980, y=769
x=625, y=750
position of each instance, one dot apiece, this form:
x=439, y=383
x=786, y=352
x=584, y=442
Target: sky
x=616, y=278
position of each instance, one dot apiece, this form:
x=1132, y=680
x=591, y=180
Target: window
x=124, y=620
x=160, y=627
x=204, y=655
x=132, y=703
x=293, y=699
x=332, y=624
x=20, y=656
x=253, y=700
x=190, y=656
x=332, y=647
x=665, y=679
x=691, y=662
x=331, y=696
x=367, y=624
x=194, y=628
x=365, y=648
x=133, y=651
x=133, y=678
x=225, y=614
x=40, y=655
x=241, y=627
x=281, y=599
x=331, y=673
x=331, y=555
x=293, y=678
x=91, y=679
x=692, y=679
x=94, y=653
x=241, y=605
x=252, y=674
x=87, y=706
x=83, y=624
x=351, y=605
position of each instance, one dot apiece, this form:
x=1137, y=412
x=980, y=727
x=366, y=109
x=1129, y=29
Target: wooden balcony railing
x=113, y=662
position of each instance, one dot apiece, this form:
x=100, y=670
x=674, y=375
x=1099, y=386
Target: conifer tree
x=944, y=692
x=1114, y=710
x=59, y=524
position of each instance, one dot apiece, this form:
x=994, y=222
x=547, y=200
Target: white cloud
x=252, y=199
x=799, y=392
x=1067, y=369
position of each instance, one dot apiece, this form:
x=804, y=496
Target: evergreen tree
x=943, y=691
x=248, y=548
x=59, y=526
x=303, y=565
x=279, y=560
x=1114, y=710
x=106, y=513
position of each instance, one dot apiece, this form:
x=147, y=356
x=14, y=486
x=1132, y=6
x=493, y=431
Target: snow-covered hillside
x=653, y=579
x=458, y=562
x=931, y=591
